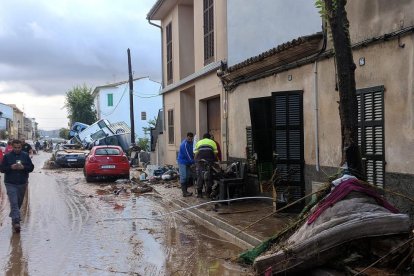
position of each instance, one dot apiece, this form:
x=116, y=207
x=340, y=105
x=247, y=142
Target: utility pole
x=131, y=99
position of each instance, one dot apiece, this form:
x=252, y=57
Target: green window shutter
x=110, y=100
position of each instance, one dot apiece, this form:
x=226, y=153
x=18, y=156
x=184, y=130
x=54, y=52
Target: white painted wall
x=146, y=99
x=7, y=114
x=254, y=27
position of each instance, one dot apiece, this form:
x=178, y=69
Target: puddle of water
x=65, y=233
x=194, y=250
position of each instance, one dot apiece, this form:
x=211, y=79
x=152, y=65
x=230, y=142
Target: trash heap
x=349, y=227
x=158, y=174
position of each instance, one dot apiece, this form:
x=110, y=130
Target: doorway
x=213, y=118
x=277, y=130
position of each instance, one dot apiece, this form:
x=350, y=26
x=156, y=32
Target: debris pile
x=351, y=228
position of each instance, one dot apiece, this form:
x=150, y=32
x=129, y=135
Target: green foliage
x=143, y=143
x=79, y=102
x=325, y=13
x=320, y=5
x=151, y=124
x=4, y=134
x=64, y=133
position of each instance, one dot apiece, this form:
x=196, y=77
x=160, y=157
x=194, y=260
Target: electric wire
x=190, y=207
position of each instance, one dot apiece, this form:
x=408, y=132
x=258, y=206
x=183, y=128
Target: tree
x=3, y=134
x=335, y=14
x=151, y=124
x=64, y=133
x=143, y=143
x=79, y=102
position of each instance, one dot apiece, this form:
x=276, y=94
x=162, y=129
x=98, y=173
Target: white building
x=6, y=118
x=112, y=103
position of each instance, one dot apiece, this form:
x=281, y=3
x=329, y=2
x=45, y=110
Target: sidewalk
x=228, y=221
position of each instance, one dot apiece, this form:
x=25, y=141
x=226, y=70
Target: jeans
x=16, y=195
x=204, y=176
x=185, y=173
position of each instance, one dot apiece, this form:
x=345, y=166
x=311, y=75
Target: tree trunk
x=348, y=105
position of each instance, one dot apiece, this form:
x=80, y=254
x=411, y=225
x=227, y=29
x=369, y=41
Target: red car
x=106, y=162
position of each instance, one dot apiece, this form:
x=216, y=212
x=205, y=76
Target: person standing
x=9, y=147
x=1, y=156
x=27, y=148
x=37, y=146
x=205, y=151
x=218, y=149
x=185, y=159
x=16, y=167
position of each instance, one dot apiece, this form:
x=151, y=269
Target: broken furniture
x=233, y=185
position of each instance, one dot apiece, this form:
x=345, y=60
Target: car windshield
x=107, y=151
x=71, y=146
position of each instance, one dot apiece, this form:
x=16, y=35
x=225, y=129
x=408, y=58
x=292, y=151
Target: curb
x=220, y=227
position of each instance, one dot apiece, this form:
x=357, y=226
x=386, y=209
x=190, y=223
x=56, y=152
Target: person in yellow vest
x=205, y=149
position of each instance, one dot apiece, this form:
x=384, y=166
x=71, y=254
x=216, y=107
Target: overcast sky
x=47, y=47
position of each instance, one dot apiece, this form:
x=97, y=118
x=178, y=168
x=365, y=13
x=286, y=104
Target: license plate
x=108, y=167
x=72, y=160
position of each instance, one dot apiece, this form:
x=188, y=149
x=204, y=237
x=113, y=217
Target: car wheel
x=88, y=178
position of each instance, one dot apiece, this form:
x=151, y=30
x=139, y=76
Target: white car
x=3, y=144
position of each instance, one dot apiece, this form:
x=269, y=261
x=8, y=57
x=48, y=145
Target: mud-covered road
x=71, y=227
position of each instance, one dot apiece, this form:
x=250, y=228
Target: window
x=169, y=54
x=371, y=133
x=110, y=100
x=98, y=135
x=170, y=126
x=107, y=151
x=208, y=31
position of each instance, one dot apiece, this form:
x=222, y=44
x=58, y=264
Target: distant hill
x=49, y=133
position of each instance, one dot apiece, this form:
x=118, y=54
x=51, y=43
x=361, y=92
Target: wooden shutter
x=251, y=162
x=371, y=133
x=287, y=121
x=170, y=126
x=208, y=17
x=169, y=53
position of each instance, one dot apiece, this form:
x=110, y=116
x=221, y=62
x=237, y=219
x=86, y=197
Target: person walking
x=27, y=148
x=185, y=159
x=16, y=167
x=9, y=147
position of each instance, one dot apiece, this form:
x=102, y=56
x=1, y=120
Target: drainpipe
x=162, y=80
x=226, y=118
x=315, y=90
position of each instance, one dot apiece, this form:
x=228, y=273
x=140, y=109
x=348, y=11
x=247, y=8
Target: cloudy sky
x=48, y=47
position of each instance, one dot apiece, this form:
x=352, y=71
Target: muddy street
x=71, y=227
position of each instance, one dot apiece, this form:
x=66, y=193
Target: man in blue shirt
x=185, y=159
x=16, y=167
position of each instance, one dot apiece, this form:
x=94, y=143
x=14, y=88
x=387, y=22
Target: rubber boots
x=200, y=193
x=184, y=190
